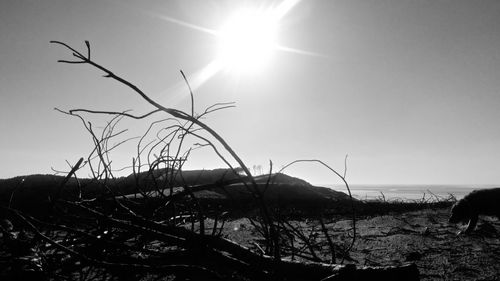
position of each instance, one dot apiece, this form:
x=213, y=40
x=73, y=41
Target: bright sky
x=410, y=90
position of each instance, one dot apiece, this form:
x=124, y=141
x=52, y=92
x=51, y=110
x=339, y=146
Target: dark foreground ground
x=388, y=233
x=423, y=237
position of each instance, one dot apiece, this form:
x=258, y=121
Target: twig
x=348, y=190
x=190, y=92
x=68, y=176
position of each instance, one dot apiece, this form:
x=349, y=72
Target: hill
x=219, y=186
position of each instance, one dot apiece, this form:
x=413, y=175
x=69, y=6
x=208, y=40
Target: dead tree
x=154, y=223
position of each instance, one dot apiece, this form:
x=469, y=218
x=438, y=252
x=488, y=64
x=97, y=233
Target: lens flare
x=247, y=41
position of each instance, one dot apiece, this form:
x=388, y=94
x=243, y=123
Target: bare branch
x=190, y=92
x=348, y=190
x=345, y=166
x=72, y=111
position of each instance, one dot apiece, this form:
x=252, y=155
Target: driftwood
x=109, y=237
x=203, y=257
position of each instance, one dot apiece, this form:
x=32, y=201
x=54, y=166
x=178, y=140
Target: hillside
x=219, y=186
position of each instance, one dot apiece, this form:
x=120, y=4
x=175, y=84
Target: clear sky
x=410, y=90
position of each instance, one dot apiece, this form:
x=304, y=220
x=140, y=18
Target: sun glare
x=247, y=41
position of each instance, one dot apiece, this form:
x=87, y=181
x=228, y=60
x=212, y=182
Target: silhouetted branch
x=159, y=206
x=184, y=116
x=68, y=176
x=124, y=113
x=346, y=185
x=190, y=92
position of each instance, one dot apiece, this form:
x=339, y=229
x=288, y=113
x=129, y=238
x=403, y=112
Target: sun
x=246, y=42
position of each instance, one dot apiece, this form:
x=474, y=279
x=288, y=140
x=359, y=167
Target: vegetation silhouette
x=164, y=221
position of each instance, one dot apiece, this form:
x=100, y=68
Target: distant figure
x=478, y=202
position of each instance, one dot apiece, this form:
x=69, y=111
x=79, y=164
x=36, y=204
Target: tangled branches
x=164, y=221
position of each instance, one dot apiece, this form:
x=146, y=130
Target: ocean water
x=408, y=192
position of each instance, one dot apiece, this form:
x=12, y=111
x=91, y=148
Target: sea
x=408, y=192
